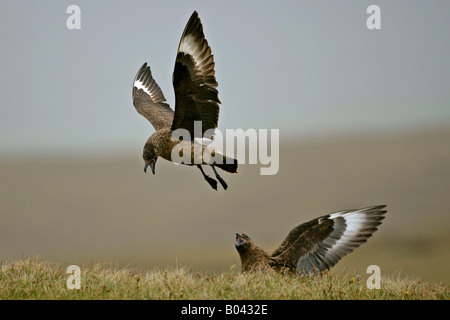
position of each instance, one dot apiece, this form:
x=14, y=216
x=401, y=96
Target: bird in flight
x=314, y=246
x=196, y=99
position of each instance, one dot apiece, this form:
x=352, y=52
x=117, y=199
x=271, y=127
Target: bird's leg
x=222, y=182
x=211, y=181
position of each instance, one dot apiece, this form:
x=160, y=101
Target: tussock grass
x=34, y=279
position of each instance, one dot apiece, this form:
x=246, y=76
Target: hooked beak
x=152, y=166
x=239, y=240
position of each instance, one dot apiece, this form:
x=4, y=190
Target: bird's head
x=243, y=242
x=150, y=156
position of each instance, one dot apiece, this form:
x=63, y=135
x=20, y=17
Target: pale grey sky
x=304, y=67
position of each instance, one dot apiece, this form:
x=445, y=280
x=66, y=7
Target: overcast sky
x=304, y=67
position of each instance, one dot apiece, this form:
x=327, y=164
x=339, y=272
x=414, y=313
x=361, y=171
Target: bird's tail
x=229, y=165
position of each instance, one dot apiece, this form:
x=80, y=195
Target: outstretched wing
x=148, y=99
x=196, y=96
x=319, y=244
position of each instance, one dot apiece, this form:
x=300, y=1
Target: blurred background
x=364, y=119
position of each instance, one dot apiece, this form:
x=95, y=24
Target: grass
x=34, y=279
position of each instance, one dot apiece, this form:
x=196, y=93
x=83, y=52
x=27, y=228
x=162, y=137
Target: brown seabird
x=314, y=246
x=196, y=99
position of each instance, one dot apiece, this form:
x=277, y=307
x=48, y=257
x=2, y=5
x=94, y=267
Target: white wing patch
x=140, y=85
x=189, y=46
x=355, y=222
x=350, y=230
x=197, y=49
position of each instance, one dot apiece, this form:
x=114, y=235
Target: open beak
x=239, y=240
x=152, y=166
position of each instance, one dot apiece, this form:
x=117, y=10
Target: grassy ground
x=79, y=210
x=34, y=279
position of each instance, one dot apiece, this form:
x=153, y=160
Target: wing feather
x=319, y=244
x=149, y=100
x=196, y=96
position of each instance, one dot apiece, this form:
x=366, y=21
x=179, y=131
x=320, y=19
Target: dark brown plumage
x=314, y=246
x=196, y=99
